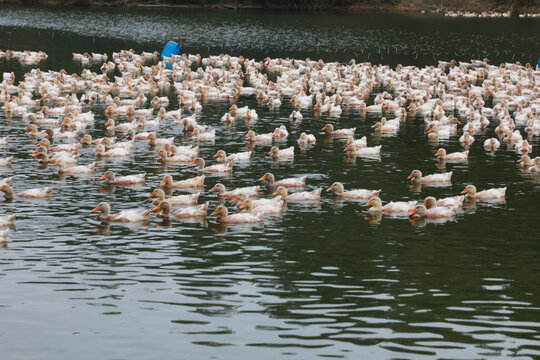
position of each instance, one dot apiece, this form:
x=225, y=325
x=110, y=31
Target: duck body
x=239, y=218
x=123, y=216
x=454, y=157
x=338, y=190
x=416, y=177
x=195, y=182
x=484, y=195
x=314, y=195
x=111, y=179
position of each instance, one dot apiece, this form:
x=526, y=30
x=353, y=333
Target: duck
x=526, y=162
x=222, y=156
x=252, y=191
x=120, y=152
x=78, y=169
x=58, y=148
x=66, y=157
x=485, y=195
x=276, y=152
x=289, y=182
x=209, y=135
x=190, y=199
x=6, y=161
x=216, y=168
x=223, y=216
x=523, y=147
x=393, y=207
x=338, y=190
x=437, y=212
x=109, y=144
x=35, y=193
x=165, y=158
x=112, y=127
x=252, y=137
x=314, y=195
x=243, y=197
x=194, y=182
x=32, y=130
x=183, y=213
x=455, y=156
x=352, y=150
x=111, y=179
x=281, y=133
x=466, y=138
x=451, y=202
x=296, y=115
x=266, y=209
x=123, y=216
x=306, y=139
x=416, y=177
x=358, y=143
x=329, y=130
x=8, y=220
x=492, y=144
x=159, y=141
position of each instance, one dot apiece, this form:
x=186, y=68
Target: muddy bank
x=514, y=6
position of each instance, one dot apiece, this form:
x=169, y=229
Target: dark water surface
x=322, y=281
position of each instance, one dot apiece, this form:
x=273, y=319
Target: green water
x=322, y=281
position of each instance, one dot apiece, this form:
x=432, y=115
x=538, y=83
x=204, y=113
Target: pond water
x=321, y=281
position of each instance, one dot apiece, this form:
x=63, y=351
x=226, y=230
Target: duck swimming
x=123, y=216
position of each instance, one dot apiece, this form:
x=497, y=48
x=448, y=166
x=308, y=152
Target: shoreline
x=402, y=6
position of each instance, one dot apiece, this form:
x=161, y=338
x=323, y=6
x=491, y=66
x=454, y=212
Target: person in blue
x=170, y=49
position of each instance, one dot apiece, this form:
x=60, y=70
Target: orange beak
x=242, y=206
x=214, y=213
x=246, y=136
x=162, y=182
x=437, y=153
x=374, y=126
x=324, y=128
x=212, y=189
x=464, y=191
x=410, y=176
x=236, y=198
x=430, y=131
x=103, y=177
x=457, y=121
x=151, y=195
x=347, y=148
x=54, y=164
x=44, y=132
x=94, y=210
x=192, y=162
x=107, y=123
x=270, y=152
x=157, y=207
x=96, y=149
x=262, y=178
x=369, y=203
x=412, y=212
x=215, y=155
x=275, y=193
x=35, y=155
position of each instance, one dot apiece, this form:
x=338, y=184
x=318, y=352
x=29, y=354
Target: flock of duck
x=51, y=106
x=488, y=14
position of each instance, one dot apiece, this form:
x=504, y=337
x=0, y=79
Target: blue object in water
x=538, y=66
x=170, y=49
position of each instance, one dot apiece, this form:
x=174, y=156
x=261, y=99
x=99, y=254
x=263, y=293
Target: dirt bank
x=516, y=6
